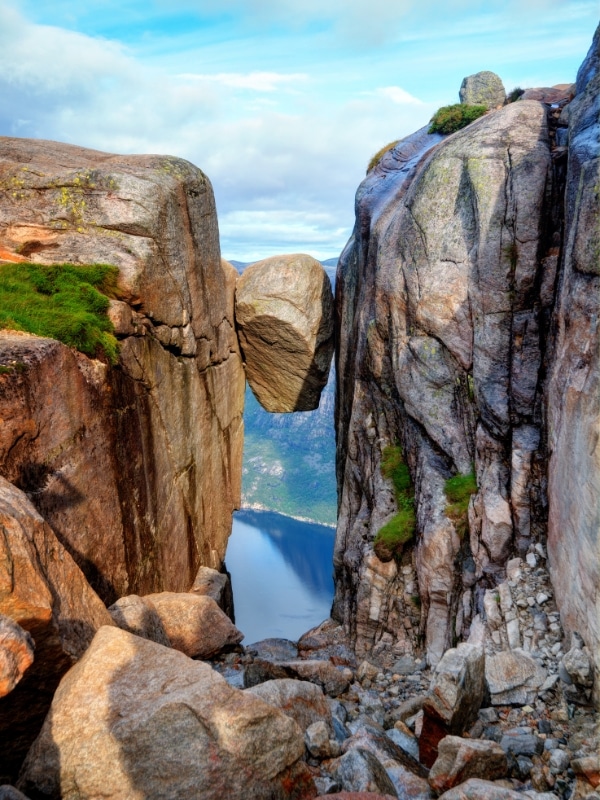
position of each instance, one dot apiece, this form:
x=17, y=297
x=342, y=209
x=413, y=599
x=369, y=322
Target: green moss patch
x=458, y=492
x=62, y=301
x=449, y=119
x=392, y=537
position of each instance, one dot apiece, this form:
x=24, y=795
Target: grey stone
x=359, y=771
x=332, y=680
x=559, y=761
x=303, y=701
x=404, y=741
x=513, y=677
x=483, y=88
x=274, y=649
x=579, y=666
x=524, y=744
x=10, y=793
x=316, y=739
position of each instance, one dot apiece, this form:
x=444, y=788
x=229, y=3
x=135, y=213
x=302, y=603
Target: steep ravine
x=466, y=312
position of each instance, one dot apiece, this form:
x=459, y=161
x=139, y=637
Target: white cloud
x=398, y=95
x=255, y=81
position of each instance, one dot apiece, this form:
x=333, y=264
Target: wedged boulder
x=134, y=719
x=513, y=676
x=303, y=701
x=137, y=615
x=45, y=592
x=333, y=681
x=16, y=654
x=284, y=314
x=460, y=759
x=484, y=88
x=194, y=623
x=454, y=698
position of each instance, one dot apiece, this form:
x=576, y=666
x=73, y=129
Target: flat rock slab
x=333, y=681
x=475, y=789
x=284, y=315
x=135, y=719
x=194, y=623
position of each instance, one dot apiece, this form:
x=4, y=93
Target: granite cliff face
x=137, y=468
x=452, y=345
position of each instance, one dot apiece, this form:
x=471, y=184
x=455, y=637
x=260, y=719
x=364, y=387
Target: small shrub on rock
x=516, y=94
x=380, y=154
x=458, y=492
x=449, y=119
x=392, y=537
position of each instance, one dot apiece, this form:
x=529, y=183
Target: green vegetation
x=516, y=94
x=458, y=492
x=392, y=537
x=380, y=154
x=62, y=301
x=449, y=119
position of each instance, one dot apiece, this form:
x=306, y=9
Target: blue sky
x=280, y=102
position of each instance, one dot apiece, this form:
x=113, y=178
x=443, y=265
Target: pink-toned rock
x=476, y=789
x=284, y=314
x=356, y=796
x=303, y=701
x=137, y=615
x=333, y=681
x=460, y=759
x=194, y=623
x=16, y=654
x=45, y=592
x=134, y=719
x=550, y=94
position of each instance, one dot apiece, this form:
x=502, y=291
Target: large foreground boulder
x=134, y=719
x=45, y=592
x=284, y=314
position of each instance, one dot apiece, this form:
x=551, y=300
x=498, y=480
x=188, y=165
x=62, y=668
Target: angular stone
x=483, y=88
x=460, y=759
x=359, y=771
x=454, y=698
x=284, y=314
x=316, y=739
x=16, y=654
x=45, y=592
x=137, y=615
x=194, y=623
x=217, y=585
x=274, y=649
x=579, y=666
x=133, y=718
x=303, y=701
x=522, y=743
x=333, y=681
x=513, y=677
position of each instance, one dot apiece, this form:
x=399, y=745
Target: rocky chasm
x=466, y=342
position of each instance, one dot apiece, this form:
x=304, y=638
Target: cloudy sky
x=280, y=102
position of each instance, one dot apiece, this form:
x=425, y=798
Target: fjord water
x=281, y=574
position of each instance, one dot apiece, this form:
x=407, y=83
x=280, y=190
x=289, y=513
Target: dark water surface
x=281, y=573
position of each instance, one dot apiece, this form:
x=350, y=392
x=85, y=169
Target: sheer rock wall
x=137, y=468
x=447, y=330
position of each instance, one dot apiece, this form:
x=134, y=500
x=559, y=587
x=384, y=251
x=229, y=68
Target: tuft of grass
x=62, y=301
x=458, y=490
x=516, y=94
x=380, y=154
x=392, y=537
x=449, y=119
